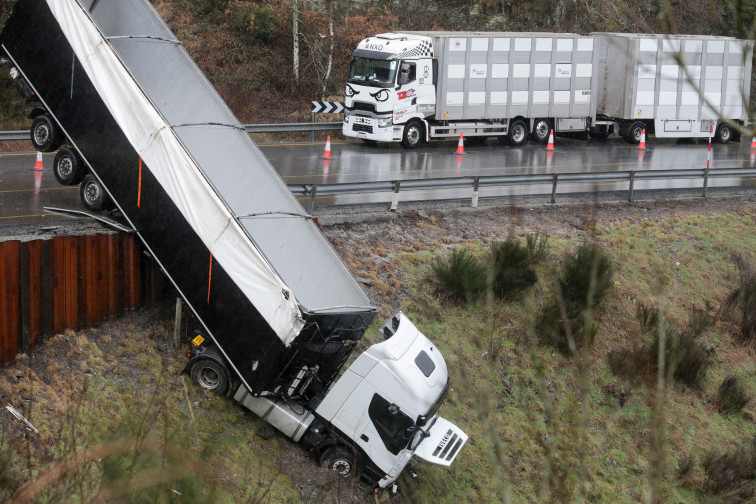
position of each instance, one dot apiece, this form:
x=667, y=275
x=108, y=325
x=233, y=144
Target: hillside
x=112, y=409
x=246, y=48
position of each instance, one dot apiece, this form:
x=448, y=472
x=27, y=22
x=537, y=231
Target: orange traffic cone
x=461, y=145
x=38, y=164
x=550, y=145
x=327, y=151
x=642, y=144
x=753, y=143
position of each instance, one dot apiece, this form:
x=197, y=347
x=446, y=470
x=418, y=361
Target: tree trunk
x=329, y=66
x=295, y=44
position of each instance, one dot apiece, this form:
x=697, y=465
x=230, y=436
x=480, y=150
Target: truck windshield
x=372, y=72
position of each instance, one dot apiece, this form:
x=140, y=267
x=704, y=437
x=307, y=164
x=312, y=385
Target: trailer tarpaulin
x=178, y=173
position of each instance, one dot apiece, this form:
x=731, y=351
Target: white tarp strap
x=177, y=172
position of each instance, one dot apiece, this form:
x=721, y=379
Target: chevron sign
x=327, y=107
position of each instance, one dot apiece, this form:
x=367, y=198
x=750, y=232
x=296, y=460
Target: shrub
x=584, y=281
x=460, y=275
x=743, y=299
x=732, y=474
x=538, y=246
x=686, y=358
x=511, y=269
x=586, y=272
x=731, y=396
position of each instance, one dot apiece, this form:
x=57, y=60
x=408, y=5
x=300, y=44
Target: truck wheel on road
x=518, y=132
x=210, y=375
x=45, y=134
x=600, y=132
x=340, y=460
x=414, y=134
x=723, y=134
x=67, y=167
x=541, y=130
x=92, y=194
x=634, y=133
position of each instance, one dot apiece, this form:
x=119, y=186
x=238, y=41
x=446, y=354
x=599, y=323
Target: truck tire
x=92, y=194
x=518, y=133
x=45, y=134
x=210, y=375
x=634, y=132
x=67, y=167
x=541, y=130
x=414, y=134
x=723, y=134
x=340, y=460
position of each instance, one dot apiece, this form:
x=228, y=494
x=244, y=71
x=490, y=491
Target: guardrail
x=476, y=183
x=249, y=128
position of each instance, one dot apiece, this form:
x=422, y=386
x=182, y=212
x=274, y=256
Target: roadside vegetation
x=656, y=406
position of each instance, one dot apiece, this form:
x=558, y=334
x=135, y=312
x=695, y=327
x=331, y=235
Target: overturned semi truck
x=279, y=313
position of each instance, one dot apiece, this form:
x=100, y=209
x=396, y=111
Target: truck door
x=384, y=436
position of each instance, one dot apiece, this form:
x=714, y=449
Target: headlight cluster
x=385, y=123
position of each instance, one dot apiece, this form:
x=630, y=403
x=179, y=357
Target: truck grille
x=366, y=128
x=367, y=107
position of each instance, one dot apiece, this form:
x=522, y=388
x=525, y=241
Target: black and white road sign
x=326, y=107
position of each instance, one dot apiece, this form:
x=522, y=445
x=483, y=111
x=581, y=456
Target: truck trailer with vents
x=278, y=313
x=411, y=87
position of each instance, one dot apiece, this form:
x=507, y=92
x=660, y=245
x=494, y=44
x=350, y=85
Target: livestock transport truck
x=278, y=312
x=410, y=87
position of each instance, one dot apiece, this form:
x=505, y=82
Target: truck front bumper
x=369, y=128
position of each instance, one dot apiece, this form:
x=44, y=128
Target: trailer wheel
x=518, y=132
x=723, y=134
x=340, y=460
x=414, y=134
x=210, y=375
x=45, y=134
x=541, y=130
x=92, y=194
x=634, y=133
x=67, y=167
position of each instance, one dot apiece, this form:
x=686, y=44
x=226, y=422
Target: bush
x=743, y=299
x=511, y=269
x=538, y=246
x=731, y=396
x=587, y=272
x=732, y=474
x=460, y=275
x=584, y=281
x=686, y=358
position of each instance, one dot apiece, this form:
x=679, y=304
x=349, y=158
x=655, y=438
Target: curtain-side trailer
x=414, y=86
x=278, y=312
x=674, y=86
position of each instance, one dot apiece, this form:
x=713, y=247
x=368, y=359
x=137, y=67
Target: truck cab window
x=408, y=73
x=372, y=72
x=390, y=423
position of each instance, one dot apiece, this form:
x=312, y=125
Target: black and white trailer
x=278, y=311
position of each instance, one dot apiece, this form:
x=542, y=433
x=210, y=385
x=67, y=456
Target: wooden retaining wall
x=69, y=282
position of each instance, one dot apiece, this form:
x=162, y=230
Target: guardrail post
x=630, y=189
x=476, y=183
x=553, y=189
x=311, y=206
x=395, y=201
x=312, y=132
x=177, y=323
x=706, y=182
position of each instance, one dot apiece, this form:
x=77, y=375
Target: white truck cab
x=399, y=385
x=391, y=89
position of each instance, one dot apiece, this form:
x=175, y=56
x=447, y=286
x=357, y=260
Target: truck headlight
x=346, y=119
x=385, y=123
